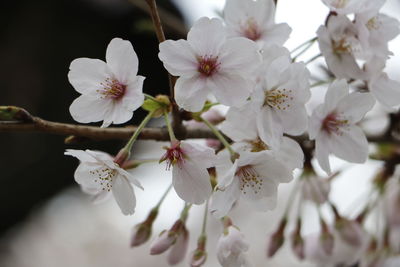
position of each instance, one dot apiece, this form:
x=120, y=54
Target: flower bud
x=142, y=231
x=297, y=241
x=178, y=250
x=277, y=239
x=199, y=256
x=350, y=231
x=162, y=243
x=326, y=238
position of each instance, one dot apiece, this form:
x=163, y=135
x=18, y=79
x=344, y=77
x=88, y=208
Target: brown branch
x=39, y=125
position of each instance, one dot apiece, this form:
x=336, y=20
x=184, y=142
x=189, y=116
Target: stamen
x=174, y=155
x=207, y=65
x=278, y=98
x=112, y=89
x=341, y=47
x=104, y=177
x=333, y=123
x=340, y=3
x=249, y=179
x=258, y=145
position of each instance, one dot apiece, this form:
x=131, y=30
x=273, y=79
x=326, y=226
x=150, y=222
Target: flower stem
x=204, y=226
x=185, y=212
x=312, y=59
x=220, y=137
x=151, y=97
x=306, y=43
x=169, y=127
x=163, y=197
x=292, y=196
x=128, y=145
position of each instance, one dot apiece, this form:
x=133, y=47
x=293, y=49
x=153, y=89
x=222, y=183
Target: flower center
x=174, y=155
x=333, y=123
x=251, y=30
x=207, y=65
x=258, y=145
x=278, y=98
x=112, y=89
x=104, y=177
x=373, y=23
x=249, y=179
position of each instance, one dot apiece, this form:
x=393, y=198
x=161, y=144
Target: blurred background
x=46, y=220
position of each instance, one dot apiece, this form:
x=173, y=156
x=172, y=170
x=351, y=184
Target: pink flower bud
x=178, y=251
x=199, y=256
x=350, y=231
x=142, y=231
x=297, y=241
x=326, y=239
x=164, y=241
x=277, y=239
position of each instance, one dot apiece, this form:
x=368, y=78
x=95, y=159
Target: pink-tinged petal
x=351, y=145
x=124, y=195
x=87, y=109
x=191, y=183
x=277, y=34
x=386, y=91
x=191, y=94
x=336, y=92
x=163, y=242
x=207, y=36
x=133, y=97
x=239, y=55
x=294, y=120
x=237, y=124
x=356, y=105
x=178, y=57
x=230, y=89
x=86, y=74
x=179, y=249
x=203, y=155
x=223, y=199
x=322, y=148
x=290, y=153
x=269, y=127
x=315, y=121
x=122, y=59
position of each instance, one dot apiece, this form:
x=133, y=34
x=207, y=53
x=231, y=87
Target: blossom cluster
x=239, y=61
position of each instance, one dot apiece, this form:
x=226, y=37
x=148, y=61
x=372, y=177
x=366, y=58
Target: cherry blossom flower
x=255, y=21
x=353, y=6
x=190, y=177
x=333, y=125
x=339, y=44
x=240, y=125
x=254, y=177
x=110, y=90
x=231, y=248
x=99, y=175
x=279, y=100
x=209, y=62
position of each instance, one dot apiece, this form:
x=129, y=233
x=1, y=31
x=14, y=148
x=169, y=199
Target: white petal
x=223, y=200
x=122, y=59
x=315, y=121
x=294, y=120
x=191, y=183
x=336, y=92
x=87, y=109
x=351, y=145
x=81, y=155
x=124, y=195
x=191, y=94
x=277, y=34
x=178, y=57
x=116, y=114
x=240, y=123
x=204, y=156
x=322, y=148
x=356, y=105
x=290, y=153
x=239, y=55
x=386, y=91
x=230, y=89
x=269, y=127
x=133, y=97
x=87, y=74
x=207, y=36
x=129, y=177
x=86, y=176
x=273, y=170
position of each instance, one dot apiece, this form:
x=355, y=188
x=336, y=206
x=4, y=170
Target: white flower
x=190, y=177
x=254, y=177
x=209, y=62
x=240, y=125
x=231, y=248
x=255, y=20
x=333, y=125
x=385, y=90
x=110, y=91
x=279, y=101
x=99, y=175
x=339, y=44
x=353, y=6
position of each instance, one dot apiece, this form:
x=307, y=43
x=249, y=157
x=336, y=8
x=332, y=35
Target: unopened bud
x=142, y=231
x=178, y=251
x=326, y=239
x=298, y=242
x=199, y=256
x=162, y=243
x=277, y=239
x=350, y=231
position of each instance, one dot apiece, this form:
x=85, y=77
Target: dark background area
x=39, y=39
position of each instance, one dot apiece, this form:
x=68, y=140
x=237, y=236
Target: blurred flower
x=231, y=248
